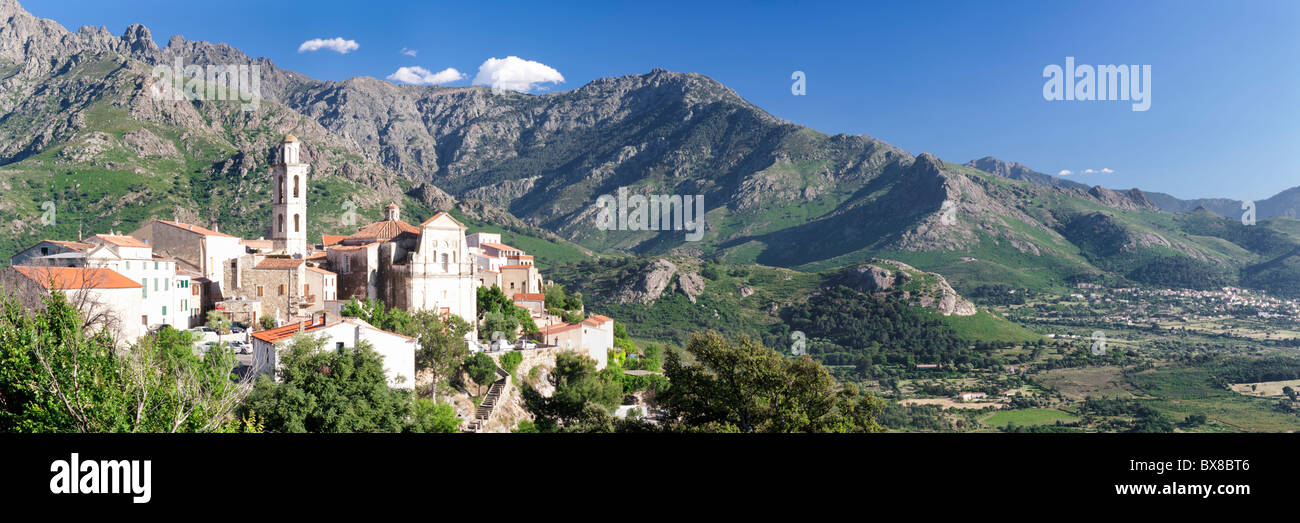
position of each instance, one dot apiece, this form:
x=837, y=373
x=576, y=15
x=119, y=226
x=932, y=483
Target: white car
x=525, y=345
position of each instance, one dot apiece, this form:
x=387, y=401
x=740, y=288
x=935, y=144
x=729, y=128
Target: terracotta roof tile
x=384, y=231
x=280, y=263
x=195, y=229
x=77, y=278
x=526, y=296
x=122, y=241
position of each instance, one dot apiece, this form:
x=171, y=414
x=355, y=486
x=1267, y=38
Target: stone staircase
x=489, y=403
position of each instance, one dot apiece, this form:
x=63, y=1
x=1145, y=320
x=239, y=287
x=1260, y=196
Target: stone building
x=425, y=267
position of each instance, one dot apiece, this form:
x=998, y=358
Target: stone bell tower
x=289, y=197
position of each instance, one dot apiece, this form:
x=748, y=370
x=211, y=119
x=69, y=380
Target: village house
x=593, y=336
x=340, y=333
x=104, y=296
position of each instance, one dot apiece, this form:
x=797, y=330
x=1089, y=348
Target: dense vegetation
x=847, y=327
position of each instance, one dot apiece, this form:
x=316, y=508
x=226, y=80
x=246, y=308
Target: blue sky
x=958, y=79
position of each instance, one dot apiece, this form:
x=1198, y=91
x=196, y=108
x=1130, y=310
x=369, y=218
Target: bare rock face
x=147, y=144
x=431, y=195
x=885, y=277
x=650, y=285
x=691, y=285
x=869, y=278
x=746, y=291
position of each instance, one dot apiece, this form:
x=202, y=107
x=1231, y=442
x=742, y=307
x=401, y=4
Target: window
x=128, y=265
x=164, y=311
x=155, y=266
x=45, y=251
x=155, y=284
x=339, y=346
x=195, y=291
x=306, y=289
x=259, y=291
x=295, y=186
x=185, y=305
x=281, y=222
x=144, y=320
x=167, y=285
x=144, y=287
x=296, y=225
x=282, y=289
x=279, y=188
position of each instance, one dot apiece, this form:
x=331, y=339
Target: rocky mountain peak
x=928, y=164
x=138, y=39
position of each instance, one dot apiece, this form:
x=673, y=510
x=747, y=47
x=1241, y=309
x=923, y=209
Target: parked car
x=236, y=329
x=525, y=345
x=241, y=347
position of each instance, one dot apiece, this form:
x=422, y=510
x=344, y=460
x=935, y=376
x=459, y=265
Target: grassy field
x=1027, y=417
x=983, y=326
x=1183, y=391
x=1265, y=389
x=1079, y=383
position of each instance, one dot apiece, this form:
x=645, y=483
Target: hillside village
x=168, y=273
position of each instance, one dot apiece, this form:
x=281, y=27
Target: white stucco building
x=340, y=333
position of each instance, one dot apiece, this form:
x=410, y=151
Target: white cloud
x=515, y=74
x=336, y=44
x=1088, y=171
x=1107, y=171
x=1065, y=172
x=409, y=52
x=422, y=76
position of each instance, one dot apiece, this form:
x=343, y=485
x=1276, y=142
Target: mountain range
x=79, y=128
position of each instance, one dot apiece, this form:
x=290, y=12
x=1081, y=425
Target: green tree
x=443, y=347
x=510, y=361
x=378, y=314
x=428, y=416
x=583, y=397
x=267, y=322
x=329, y=391
x=739, y=385
x=481, y=369
x=56, y=378
x=218, y=322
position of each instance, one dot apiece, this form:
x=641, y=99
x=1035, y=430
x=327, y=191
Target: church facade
x=425, y=267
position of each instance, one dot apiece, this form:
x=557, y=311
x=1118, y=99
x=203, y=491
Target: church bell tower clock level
x=289, y=193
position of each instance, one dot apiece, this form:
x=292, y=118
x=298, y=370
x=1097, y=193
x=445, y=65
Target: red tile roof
x=598, y=319
x=77, y=278
x=122, y=241
x=350, y=247
x=320, y=270
x=556, y=329
x=500, y=246
x=331, y=239
x=280, y=263
x=258, y=244
x=384, y=231
x=195, y=229
x=527, y=296
x=288, y=331
x=518, y=266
